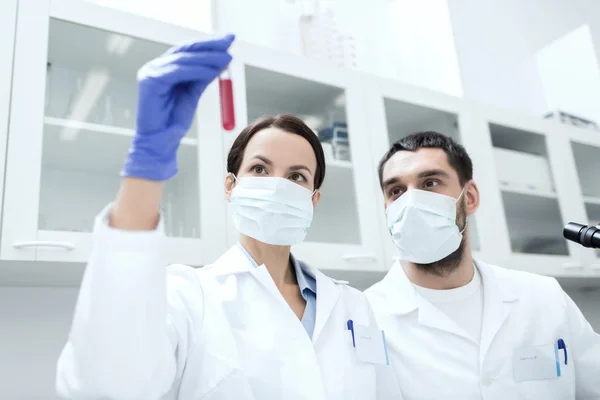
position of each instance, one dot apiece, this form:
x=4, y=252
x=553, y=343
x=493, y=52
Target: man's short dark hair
x=458, y=158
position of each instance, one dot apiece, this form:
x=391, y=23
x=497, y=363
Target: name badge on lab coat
x=369, y=344
x=536, y=362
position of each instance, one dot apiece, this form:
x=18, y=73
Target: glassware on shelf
x=337, y=136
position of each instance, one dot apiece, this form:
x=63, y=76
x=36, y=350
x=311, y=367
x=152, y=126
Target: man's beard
x=447, y=265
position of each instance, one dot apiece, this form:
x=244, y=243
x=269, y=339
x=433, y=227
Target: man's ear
x=229, y=185
x=471, y=197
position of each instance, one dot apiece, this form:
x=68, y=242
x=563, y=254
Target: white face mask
x=423, y=226
x=272, y=210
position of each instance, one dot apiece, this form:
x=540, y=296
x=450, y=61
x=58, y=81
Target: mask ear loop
x=235, y=179
x=466, y=216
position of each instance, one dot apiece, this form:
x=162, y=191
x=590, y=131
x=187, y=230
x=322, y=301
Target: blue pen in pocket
x=563, y=346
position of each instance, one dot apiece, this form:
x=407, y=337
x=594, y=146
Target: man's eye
x=395, y=192
x=430, y=184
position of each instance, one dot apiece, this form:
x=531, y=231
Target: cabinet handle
x=572, y=265
x=56, y=245
x=359, y=257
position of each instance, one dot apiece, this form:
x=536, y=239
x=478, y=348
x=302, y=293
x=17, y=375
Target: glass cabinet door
x=89, y=121
x=587, y=161
x=399, y=110
x=82, y=128
x=528, y=191
x=342, y=232
x=8, y=21
x=403, y=119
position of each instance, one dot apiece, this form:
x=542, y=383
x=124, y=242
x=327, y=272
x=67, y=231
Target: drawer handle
x=55, y=245
x=360, y=257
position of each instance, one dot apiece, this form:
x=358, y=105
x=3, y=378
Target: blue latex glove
x=169, y=88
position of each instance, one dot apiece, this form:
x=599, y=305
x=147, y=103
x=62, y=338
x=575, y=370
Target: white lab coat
x=143, y=331
x=434, y=359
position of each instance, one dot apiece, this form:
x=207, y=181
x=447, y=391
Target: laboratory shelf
x=74, y=145
x=403, y=118
x=534, y=223
x=70, y=129
x=529, y=192
x=592, y=200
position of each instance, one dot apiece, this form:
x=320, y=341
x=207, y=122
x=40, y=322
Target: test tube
x=226, y=94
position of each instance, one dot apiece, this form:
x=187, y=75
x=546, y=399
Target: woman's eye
x=258, y=169
x=296, y=177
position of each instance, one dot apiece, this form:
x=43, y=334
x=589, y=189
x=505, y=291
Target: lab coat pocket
x=360, y=377
x=541, y=372
x=263, y=371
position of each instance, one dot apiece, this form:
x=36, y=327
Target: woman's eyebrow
x=263, y=159
x=298, y=167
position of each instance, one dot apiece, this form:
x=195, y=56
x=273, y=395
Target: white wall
x=402, y=39
x=34, y=324
x=496, y=41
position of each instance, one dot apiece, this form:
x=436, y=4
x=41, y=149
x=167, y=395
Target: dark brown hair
x=458, y=158
x=287, y=123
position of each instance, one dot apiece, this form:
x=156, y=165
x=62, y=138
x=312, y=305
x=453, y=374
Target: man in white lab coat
x=456, y=327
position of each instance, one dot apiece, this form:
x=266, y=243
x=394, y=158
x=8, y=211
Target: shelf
x=592, y=200
x=86, y=146
x=529, y=192
x=404, y=118
x=534, y=223
x=72, y=128
x=509, y=138
x=272, y=93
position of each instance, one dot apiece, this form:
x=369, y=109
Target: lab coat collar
x=500, y=292
x=405, y=299
x=234, y=261
x=328, y=294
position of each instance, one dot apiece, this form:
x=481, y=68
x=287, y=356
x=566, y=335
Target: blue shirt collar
x=305, y=281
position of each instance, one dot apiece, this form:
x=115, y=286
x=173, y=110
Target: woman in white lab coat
x=257, y=324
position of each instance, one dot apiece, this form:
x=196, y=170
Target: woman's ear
x=471, y=197
x=316, y=197
x=229, y=185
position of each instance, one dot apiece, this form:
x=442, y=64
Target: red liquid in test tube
x=226, y=94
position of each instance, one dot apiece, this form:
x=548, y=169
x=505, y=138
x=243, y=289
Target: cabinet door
x=344, y=234
x=72, y=121
x=533, y=175
x=584, y=148
x=397, y=110
x=8, y=20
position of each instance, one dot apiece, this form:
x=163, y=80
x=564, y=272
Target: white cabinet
x=585, y=149
x=531, y=173
x=72, y=118
x=72, y=113
x=345, y=233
